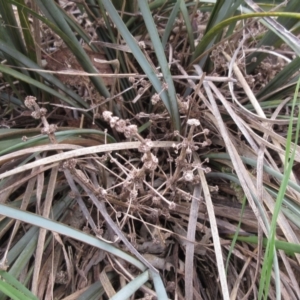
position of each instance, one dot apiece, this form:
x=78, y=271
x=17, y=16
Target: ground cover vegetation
x=149, y=149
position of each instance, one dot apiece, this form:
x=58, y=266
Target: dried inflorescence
x=188, y=175
x=218, y=59
x=40, y=113
x=30, y=102
x=52, y=128
x=150, y=161
x=155, y=99
x=129, y=130
x=145, y=146
x=121, y=125
x=69, y=164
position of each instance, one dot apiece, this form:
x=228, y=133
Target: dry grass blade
x=255, y=104
x=106, y=283
x=27, y=195
x=289, y=233
x=140, y=210
x=67, y=258
x=234, y=292
x=77, y=294
x=84, y=151
x=280, y=30
x=260, y=140
x=242, y=173
x=214, y=231
x=43, y=232
x=80, y=201
x=101, y=207
x=189, y=258
x=20, y=153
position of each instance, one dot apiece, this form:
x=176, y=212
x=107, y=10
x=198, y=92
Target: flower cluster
x=131, y=131
x=40, y=113
x=120, y=125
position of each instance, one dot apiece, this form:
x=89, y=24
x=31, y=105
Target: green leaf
x=12, y=292
x=140, y=57
x=211, y=34
x=170, y=23
x=272, y=39
x=9, y=23
x=270, y=249
x=15, y=288
x=188, y=24
x=288, y=248
x=161, y=57
x=72, y=42
x=25, y=61
x=130, y=288
x=60, y=228
x=34, y=82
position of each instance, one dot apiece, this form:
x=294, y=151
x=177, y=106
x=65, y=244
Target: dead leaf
x=64, y=60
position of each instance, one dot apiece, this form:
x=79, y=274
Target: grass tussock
x=149, y=150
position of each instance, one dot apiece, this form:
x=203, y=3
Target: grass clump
x=149, y=149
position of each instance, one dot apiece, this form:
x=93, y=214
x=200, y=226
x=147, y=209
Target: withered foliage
x=172, y=199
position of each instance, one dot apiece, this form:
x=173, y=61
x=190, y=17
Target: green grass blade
x=60, y=228
x=289, y=159
x=67, y=40
x=160, y=54
x=21, y=250
x=18, y=144
x=201, y=47
x=78, y=29
x=235, y=237
x=222, y=10
x=139, y=56
x=109, y=36
x=188, y=24
x=96, y=289
x=281, y=78
x=11, y=26
x=130, y=288
x=10, y=80
x=19, y=256
x=29, y=42
x=28, y=63
x=26, y=30
x=272, y=39
x=34, y=82
x=51, y=9
x=253, y=163
x=170, y=23
x=11, y=99
x=159, y=286
x=288, y=248
x=286, y=36
x=24, y=292
x=12, y=292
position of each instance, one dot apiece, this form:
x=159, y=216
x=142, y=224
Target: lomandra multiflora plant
x=149, y=149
